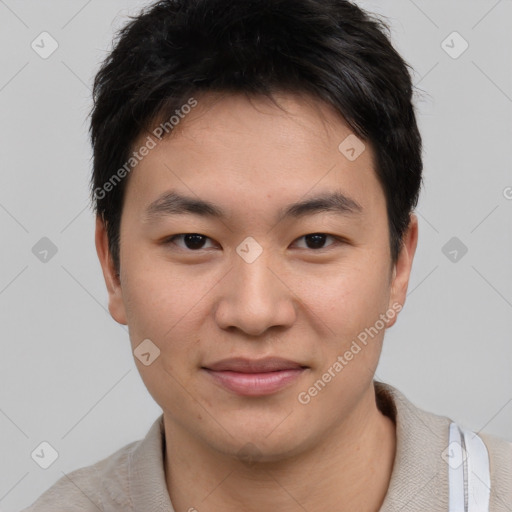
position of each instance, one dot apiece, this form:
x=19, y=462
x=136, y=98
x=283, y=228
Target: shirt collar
x=147, y=484
x=419, y=480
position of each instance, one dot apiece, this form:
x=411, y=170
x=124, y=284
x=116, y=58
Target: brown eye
x=191, y=241
x=316, y=240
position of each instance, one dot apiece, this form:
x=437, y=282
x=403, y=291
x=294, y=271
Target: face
x=271, y=243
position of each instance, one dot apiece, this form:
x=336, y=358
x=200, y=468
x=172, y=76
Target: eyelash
x=337, y=241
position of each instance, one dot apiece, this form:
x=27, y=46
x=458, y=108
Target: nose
x=255, y=297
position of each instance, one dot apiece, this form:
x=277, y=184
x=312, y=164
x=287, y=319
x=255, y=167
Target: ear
x=115, y=294
x=403, y=265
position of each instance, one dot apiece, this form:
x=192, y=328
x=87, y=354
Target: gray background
x=67, y=373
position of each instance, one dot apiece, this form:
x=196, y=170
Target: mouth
x=254, y=377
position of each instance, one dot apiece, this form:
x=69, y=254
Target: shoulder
x=422, y=457
x=90, y=488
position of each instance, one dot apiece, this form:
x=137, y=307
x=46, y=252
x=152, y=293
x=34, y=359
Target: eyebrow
x=172, y=203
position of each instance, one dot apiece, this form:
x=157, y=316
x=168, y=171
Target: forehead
x=247, y=149
x=285, y=121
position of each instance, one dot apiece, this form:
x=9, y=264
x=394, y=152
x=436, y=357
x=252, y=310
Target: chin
x=256, y=446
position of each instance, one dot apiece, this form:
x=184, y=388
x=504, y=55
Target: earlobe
x=403, y=266
x=112, y=281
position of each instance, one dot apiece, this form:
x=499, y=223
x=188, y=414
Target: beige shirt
x=133, y=478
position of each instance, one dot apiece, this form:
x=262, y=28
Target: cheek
x=162, y=308
x=349, y=297
x=166, y=304
x=154, y=292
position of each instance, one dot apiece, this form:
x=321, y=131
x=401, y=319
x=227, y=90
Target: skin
x=200, y=306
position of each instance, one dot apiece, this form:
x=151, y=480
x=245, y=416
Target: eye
x=197, y=241
x=317, y=240
x=191, y=241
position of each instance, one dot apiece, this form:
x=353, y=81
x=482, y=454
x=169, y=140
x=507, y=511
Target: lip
x=244, y=365
x=255, y=377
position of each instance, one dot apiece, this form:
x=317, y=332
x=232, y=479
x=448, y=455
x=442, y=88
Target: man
x=256, y=167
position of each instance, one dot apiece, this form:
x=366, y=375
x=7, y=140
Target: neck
x=349, y=470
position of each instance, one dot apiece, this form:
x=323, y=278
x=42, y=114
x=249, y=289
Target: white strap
x=468, y=462
x=456, y=456
x=479, y=481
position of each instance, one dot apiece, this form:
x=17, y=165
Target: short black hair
x=331, y=50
